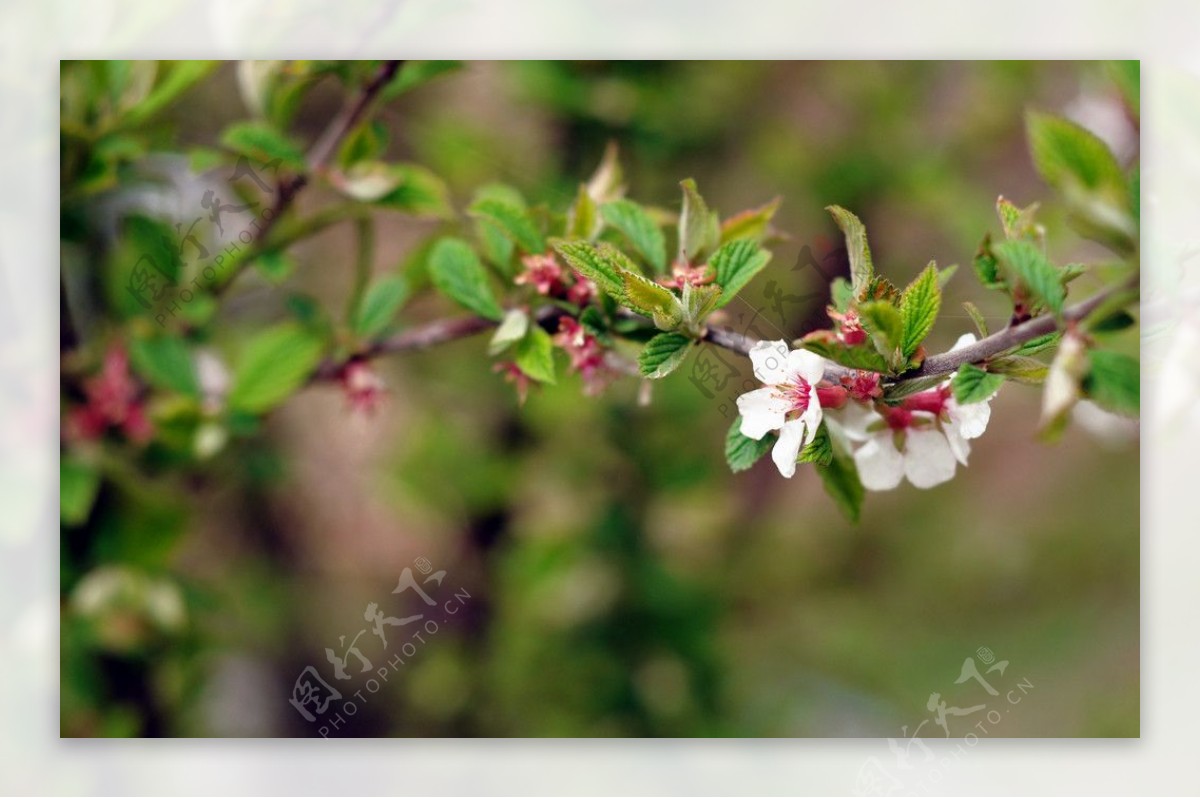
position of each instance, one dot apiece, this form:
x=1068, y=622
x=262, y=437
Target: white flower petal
x=854, y=418
x=880, y=465
x=792, y=438
x=770, y=359
x=928, y=459
x=964, y=340
x=812, y=417
x=762, y=411
x=805, y=364
x=971, y=419
x=958, y=444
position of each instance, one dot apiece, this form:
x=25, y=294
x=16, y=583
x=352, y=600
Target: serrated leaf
x=841, y=480
x=261, y=142
x=650, y=298
x=514, y=221
x=972, y=384
x=1019, y=368
x=662, y=354
x=534, y=355
x=592, y=264
x=881, y=289
x=699, y=228
x=455, y=270
x=419, y=192
x=819, y=450
x=78, y=483
x=698, y=302
x=272, y=366
x=735, y=264
x=165, y=363
x=977, y=317
x=742, y=452
x=1039, y=344
x=1023, y=260
x=1017, y=222
x=826, y=344
x=750, y=224
x=896, y=391
x=861, y=268
x=884, y=323
x=986, y=266
x=379, y=306
x=640, y=229
x=919, y=306
x=1113, y=381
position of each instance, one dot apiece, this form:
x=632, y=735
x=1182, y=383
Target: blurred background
x=617, y=579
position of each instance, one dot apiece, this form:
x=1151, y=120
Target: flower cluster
x=586, y=353
x=550, y=279
x=113, y=401
x=923, y=438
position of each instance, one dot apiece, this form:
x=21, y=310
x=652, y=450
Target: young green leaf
x=662, y=354
x=698, y=302
x=1017, y=222
x=1113, y=381
x=418, y=192
x=272, y=366
x=750, y=224
x=583, y=217
x=1039, y=344
x=262, y=142
x=535, y=355
x=861, y=268
x=735, y=264
x=972, y=384
x=841, y=294
x=884, y=322
x=826, y=344
x=841, y=481
x=977, y=317
x=511, y=330
x=455, y=270
x=416, y=73
x=986, y=266
x=78, y=483
x=1019, y=368
x=742, y=452
x=699, y=228
x=1023, y=260
x=165, y=363
x=594, y=264
x=514, y=221
x=379, y=306
x=919, y=306
x=819, y=450
x=651, y=299
x=275, y=265
x=642, y=232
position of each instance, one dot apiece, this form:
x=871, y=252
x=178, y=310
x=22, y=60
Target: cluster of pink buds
x=112, y=401
x=685, y=274
x=863, y=386
x=849, y=327
x=549, y=278
x=586, y=354
x=519, y=379
x=363, y=387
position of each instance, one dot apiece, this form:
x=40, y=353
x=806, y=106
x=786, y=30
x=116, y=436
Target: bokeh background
x=621, y=581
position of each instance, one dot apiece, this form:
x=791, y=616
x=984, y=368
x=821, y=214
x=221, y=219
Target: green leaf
x=1113, y=381
x=418, y=192
x=919, y=306
x=262, y=142
x=1025, y=261
x=180, y=76
x=272, y=366
x=1017, y=222
x=945, y=274
x=651, y=299
x=455, y=270
x=1039, y=344
x=841, y=293
x=750, y=224
x=819, y=450
x=841, y=481
x=861, y=268
x=78, y=484
x=986, y=267
x=514, y=221
x=594, y=264
x=495, y=244
x=379, y=306
x=735, y=264
x=662, y=354
x=535, y=355
x=977, y=317
x=416, y=73
x=642, y=232
x=165, y=363
x=972, y=384
x=826, y=344
x=275, y=265
x=742, y=452
x=1019, y=368
x=885, y=324
x=511, y=330
x=583, y=219
x=699, y=228
x=893, y=393
x=698, y=302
